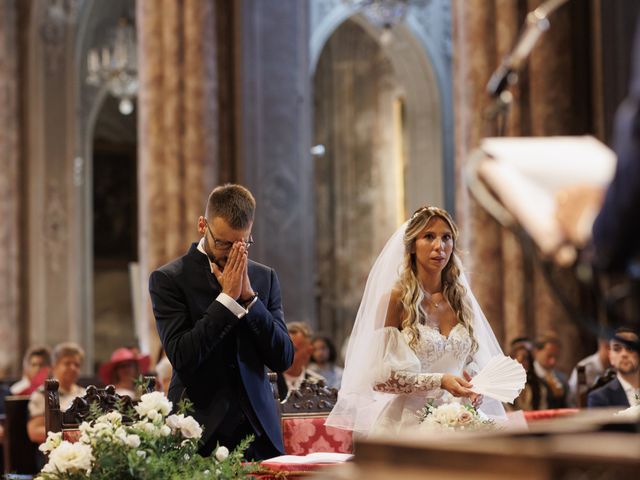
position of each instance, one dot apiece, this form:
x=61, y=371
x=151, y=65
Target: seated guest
x=624, y=390
x=123, y=369
x=554, y=388
x=291, y=379
x=594, y=365
x=323, y=361
x=35, y=369
x=529, y=398
x=67, y=360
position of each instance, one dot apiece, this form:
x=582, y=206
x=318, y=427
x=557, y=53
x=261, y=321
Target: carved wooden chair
x=67, y=422
x=303, y=415
x=581, y=386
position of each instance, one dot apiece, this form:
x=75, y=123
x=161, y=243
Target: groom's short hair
x=233, y=203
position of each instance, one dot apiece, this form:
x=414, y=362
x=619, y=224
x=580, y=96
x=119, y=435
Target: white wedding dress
x=413, y=377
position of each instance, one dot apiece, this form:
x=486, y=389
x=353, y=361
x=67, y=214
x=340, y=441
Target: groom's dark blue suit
x=220, y=361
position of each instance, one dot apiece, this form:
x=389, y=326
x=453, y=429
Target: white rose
x=173, y=421
x=191, y=429
x=188, y=427
x=120, y=434
x=153, y=401
x=149, y=428
x=52, y=441
x=85, y=427
x=165, y=431
x=152, y=414
x=71, y=457
x=133, y=441
x=111, y=417
x=465, y=417
x=222, y=453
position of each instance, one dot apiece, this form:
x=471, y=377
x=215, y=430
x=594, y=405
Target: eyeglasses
x=225, y=244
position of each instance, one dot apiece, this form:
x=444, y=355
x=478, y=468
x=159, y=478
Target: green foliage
x=154, y=446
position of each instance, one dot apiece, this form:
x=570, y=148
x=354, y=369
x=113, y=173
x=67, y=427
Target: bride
x=419, y=335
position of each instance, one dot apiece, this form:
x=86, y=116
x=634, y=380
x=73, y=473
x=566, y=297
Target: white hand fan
x=502, y=378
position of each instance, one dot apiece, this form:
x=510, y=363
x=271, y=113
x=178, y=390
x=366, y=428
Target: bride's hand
x=456, y=386
x=476, y=398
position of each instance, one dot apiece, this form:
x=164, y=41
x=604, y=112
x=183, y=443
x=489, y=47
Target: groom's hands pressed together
x=233, y=277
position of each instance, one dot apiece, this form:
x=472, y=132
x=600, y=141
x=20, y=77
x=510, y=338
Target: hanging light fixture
x=115, y=65
x=384, y=13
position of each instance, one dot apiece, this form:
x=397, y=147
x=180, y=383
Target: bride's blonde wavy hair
x=411, y=294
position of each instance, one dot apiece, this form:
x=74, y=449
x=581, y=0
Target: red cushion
x=533, y=415
x=71, y=435
x=303, y=435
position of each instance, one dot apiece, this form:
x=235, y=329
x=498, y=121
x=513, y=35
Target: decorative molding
x=310, y=398
x=56, y=223
x=56, y=17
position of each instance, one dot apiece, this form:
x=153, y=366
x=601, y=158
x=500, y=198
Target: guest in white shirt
x=67, y=361
x=553, y=383
x=35, y=366
x=624, y=390
x=594, y=365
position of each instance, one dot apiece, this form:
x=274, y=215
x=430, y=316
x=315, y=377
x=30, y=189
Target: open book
x=527, y=174
x=317, y=457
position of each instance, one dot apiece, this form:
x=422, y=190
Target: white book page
x=316, y=457
x=527, y=172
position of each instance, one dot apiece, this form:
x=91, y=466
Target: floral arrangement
x=145, y=443
x=454, y=416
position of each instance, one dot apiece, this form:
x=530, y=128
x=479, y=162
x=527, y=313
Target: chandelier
x=115, y=66
x=384, y=13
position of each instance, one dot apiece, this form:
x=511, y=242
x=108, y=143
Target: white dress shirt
x=631, y=392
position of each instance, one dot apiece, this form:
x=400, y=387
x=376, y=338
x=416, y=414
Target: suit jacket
x=616, y=233
x=609, y=395
x=213, y=353
x=549, y=400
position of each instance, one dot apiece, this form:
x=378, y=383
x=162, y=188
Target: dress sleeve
x=400, y=367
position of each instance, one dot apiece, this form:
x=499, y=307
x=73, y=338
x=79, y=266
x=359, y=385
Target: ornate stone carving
x=55, y=226
x=310, y=398
x=106, y=399
x=56, y=16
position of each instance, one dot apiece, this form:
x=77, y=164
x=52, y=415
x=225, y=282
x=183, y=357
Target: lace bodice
x=438, y=353
x=407, y=371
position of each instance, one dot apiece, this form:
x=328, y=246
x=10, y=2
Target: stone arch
x=61, y=111
x=422, y=64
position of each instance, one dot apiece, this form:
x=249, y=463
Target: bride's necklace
x=429, y=297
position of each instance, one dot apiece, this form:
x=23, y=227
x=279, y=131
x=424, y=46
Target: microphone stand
x=536, y=23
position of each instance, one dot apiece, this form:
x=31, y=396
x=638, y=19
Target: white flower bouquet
x=153, y=445
x=454, y=416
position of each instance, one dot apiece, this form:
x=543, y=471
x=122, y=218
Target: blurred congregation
x=118, y=118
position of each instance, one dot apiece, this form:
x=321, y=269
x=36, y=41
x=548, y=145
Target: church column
x=275, y=138
x=10, y=210
x=177, y=130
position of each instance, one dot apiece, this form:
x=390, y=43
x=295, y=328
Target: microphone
x=535, y=25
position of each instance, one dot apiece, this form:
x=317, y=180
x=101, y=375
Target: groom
x=220, y=320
